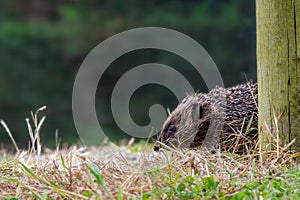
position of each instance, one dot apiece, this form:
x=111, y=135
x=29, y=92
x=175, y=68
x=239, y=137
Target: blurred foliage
x=44, y=42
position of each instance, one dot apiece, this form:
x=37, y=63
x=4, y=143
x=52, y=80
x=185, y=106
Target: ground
x=135, y=171
x=96, y=173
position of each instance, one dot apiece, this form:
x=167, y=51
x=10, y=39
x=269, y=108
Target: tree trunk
x=278, y=62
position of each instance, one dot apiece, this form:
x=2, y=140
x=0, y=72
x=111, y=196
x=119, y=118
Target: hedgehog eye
x=171, y=128
x=170, y=132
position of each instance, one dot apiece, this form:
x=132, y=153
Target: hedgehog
x=224, y=119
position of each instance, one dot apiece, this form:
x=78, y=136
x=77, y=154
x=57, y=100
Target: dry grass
x=136, y=172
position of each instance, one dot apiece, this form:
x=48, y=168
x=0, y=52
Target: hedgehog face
x=181, y=127
x=170, y=129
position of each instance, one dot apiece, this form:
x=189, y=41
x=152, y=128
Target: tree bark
x=278, y=62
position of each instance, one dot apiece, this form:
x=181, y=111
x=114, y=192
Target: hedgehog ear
x=200, y=112
x=196, y=113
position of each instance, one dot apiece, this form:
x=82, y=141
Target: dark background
x=43, y=43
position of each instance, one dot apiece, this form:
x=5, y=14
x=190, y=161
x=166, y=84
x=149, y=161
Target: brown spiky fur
x=224, y=117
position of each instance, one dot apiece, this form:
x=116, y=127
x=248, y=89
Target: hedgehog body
x=224, y=117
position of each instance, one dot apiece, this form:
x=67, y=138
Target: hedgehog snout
x=156, y=148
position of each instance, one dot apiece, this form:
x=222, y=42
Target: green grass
x=283, y=186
